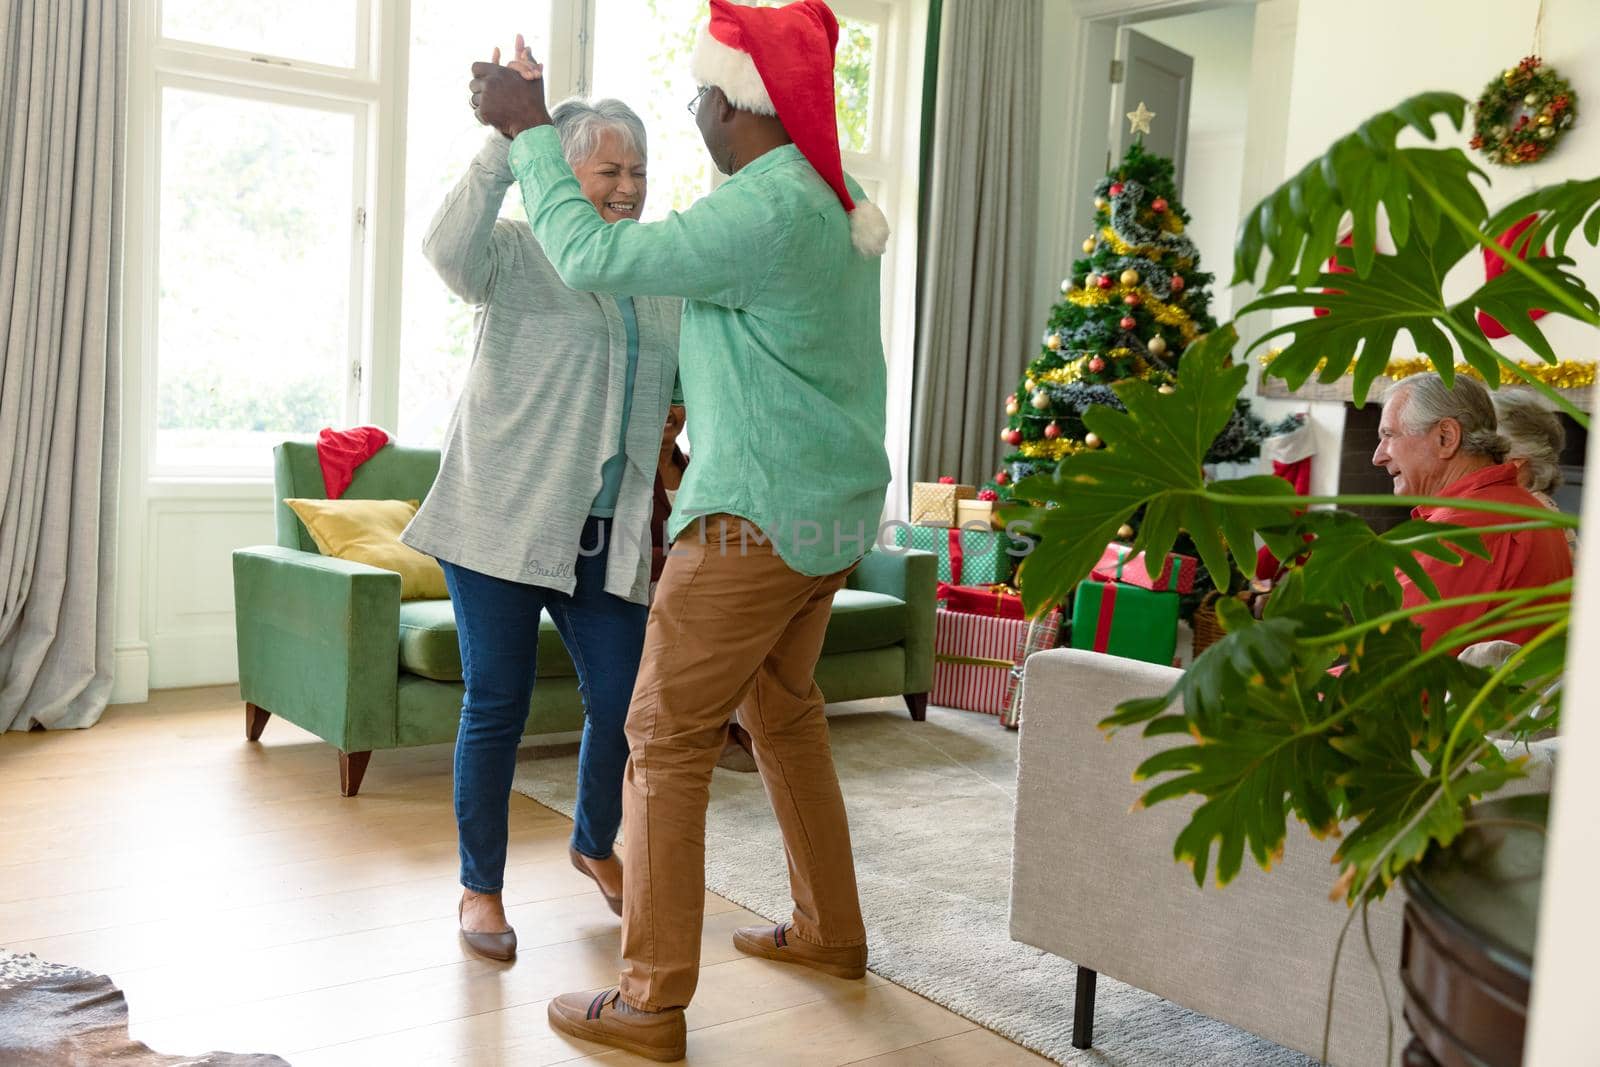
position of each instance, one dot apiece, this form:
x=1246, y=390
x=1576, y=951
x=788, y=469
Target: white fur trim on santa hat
x=732, y=71
x=869, y=230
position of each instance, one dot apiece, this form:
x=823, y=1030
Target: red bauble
x=1013, y=437
x=1002, y=478
x=1158, y=205
x=1096, y=364
x=1104, y=281
x=988, y=494
x=1132, y=300
x=1128, y=322
x=945, y=479
x=1116, y=189
x=1177, y=283
x=1052, y=431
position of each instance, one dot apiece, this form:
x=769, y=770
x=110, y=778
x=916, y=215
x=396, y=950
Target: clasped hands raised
x=510, y=98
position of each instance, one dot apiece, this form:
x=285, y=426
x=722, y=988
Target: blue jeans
x=498, y=626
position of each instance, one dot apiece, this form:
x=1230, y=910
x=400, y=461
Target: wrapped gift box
x=935, y=503
x=973, y=656
x=1125, y=620
x=1119, y=564
x=1037, y=639
x=978, y=513
x=997, y=601
x=966, y=557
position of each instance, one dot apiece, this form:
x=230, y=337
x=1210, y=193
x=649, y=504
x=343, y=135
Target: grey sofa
x=1095, y=883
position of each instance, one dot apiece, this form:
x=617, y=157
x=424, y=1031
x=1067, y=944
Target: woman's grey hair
x=1429, y=399
x=1535, y=434
x=580, y=123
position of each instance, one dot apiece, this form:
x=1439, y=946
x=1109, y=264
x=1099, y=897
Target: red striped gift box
x=974, y=654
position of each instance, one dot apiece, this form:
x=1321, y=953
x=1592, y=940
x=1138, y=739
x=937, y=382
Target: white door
x=1161, y=79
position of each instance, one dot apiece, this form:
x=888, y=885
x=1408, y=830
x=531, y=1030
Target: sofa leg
x=352, y=766
x=918, y=704
x=1083, y=1010
x=255, y=720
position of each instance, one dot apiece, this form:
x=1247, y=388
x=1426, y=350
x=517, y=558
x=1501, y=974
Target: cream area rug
x=931, y=808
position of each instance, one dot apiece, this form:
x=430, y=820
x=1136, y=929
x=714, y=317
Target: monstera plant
x=1392, y=749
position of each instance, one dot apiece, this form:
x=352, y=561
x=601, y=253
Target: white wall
x=1357, y=57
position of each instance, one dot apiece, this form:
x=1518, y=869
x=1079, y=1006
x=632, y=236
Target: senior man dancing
x=782, y=365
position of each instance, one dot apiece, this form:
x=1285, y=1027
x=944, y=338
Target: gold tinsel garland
x=1164, y=313
x=1567, y=374
x=1051, y=450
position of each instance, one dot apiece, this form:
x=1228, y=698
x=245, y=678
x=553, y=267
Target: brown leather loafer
x=606, y=1019
x=500, y=946
x=777, y=943
x=578, y=859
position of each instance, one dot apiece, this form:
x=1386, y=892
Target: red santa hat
x=779, y=61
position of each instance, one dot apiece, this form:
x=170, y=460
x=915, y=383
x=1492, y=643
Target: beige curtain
x=973, y=331
x=62, y=89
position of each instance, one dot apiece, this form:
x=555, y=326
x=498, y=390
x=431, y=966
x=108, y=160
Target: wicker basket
x=1207, y=629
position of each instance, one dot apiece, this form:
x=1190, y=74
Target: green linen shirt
x=780, y=351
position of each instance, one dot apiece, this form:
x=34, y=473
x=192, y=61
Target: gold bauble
x=1041, y=400
x=1100, y=203
x=1532, y=100
x=1066, y=285
x=1029, y=385
x=1544, y=120
x=1124, y=532
x=1091, y=439
x=1130, y=277
x=1088, y=245
x=1013, y=408
x=1157, y=345
x=1053, y=342
x=1165, y=389
x=1546, y=132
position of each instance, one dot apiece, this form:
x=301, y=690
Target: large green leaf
x=1153, y=457
x=1298, y=225
x=1345, y=559
x=1563, y=209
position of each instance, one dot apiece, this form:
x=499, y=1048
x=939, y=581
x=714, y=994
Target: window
x=442, y=137
x=326, y=32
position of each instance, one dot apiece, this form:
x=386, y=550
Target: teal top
x=605, y=501
x=780, y=351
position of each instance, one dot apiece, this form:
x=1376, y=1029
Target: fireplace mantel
x=1340, y=391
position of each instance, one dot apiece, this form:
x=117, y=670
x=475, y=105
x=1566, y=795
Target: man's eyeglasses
x=694, y=105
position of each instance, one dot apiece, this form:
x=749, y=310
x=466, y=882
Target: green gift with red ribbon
x=1119, y=563
x=967, y=556
x=1125, y=620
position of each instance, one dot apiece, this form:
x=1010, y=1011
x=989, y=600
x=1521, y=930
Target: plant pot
x=1466, y=956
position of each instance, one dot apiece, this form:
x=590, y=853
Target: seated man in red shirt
x=1441, y=441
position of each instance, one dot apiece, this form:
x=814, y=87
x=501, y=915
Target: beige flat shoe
x=500, y=946
x=583, y=869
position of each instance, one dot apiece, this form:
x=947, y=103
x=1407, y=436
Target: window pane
x=441, y=139
x=852, y=83
x=255, y=276
x=316, y=31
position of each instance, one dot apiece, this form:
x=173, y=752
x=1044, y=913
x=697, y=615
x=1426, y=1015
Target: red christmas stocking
x=1494, y=266
x=1291, y=455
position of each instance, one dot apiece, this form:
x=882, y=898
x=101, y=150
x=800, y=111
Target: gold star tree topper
x=1139, y=120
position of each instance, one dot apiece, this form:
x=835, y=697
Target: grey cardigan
x=542, y=405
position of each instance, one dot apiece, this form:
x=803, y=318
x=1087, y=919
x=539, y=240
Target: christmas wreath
x=1523, y=114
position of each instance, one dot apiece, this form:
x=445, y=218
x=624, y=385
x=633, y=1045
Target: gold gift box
x=935, y=503
x=978, y=511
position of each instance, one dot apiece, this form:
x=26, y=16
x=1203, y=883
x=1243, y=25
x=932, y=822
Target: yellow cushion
x=368, y=531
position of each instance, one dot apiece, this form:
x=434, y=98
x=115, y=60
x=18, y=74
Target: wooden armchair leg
x=255, y=720
x=352, y=766
x=918, y=704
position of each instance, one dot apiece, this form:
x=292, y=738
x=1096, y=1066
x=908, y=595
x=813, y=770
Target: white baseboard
x=130, y=678
x=183, y=660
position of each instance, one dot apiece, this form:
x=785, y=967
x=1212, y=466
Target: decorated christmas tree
x=1132, y=305
x=1130, y=308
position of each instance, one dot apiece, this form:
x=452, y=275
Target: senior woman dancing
x=544, y=495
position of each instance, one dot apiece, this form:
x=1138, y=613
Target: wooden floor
x=243, y=905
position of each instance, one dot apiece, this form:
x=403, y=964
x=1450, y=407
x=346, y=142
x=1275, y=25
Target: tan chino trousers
x=732, y=627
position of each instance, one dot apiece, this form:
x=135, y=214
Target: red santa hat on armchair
x=779, y=61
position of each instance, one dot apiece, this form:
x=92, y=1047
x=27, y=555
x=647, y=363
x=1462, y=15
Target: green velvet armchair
x=329, y=645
